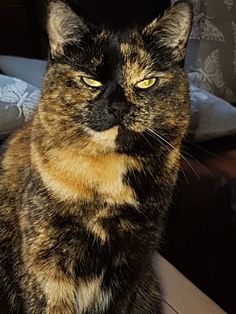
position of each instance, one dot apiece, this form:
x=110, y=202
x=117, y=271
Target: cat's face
x=118, y=90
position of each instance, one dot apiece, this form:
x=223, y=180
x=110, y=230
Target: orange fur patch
x=71, y=176
x=172, y=159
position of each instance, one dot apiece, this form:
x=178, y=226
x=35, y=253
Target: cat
x=85, y=185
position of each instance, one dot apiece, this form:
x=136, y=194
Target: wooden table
x=180, y=295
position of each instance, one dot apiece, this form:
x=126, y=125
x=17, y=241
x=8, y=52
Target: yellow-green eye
x=146, y=83
x=91, y=82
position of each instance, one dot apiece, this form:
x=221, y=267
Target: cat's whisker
x=184, y=174
x=169, y=149
x=144, y=137
x=170, y=145
x=201, y=149
x=204, y=150
x=200, y=164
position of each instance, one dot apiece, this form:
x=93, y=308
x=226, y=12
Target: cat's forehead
x=124, y=52
x=137, y=63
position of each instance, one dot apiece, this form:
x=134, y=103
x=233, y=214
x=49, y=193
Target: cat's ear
x=172, y=30
x=63, y=26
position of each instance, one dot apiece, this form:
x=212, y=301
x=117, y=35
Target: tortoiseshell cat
x=85, y=186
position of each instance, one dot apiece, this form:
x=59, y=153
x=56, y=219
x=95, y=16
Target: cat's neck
x=72, y=176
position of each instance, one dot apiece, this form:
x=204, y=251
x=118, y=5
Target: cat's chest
x=72, y=178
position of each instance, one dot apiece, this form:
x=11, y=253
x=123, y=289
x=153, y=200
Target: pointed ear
x=63, y=26
x=172, y=30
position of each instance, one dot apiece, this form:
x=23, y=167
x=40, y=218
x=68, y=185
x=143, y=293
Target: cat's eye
x=146, y=83
x=90, y=82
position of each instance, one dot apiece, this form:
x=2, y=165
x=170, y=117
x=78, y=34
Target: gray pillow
x=211, y=53
x=18, y=100
x=212, y=117
x=29, y=70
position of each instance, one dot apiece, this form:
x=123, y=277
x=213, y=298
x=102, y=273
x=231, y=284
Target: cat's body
x=84, y=188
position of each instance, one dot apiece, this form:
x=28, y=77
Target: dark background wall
x=22, y=22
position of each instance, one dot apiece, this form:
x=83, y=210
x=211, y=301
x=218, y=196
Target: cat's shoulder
x=14, y=152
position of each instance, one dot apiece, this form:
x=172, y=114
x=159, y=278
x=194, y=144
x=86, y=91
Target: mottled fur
x=85, y=186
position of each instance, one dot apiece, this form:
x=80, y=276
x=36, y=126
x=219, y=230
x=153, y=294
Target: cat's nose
x=118, y=109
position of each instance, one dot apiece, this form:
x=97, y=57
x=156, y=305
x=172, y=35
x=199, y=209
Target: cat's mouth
x=107, y=117
x=102, y=128
x=106, y=123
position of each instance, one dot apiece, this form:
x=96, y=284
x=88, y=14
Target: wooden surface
x=180, y=295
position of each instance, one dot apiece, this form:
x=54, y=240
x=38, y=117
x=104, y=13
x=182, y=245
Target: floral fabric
x=18, y=100
x=211, y=117
x=211, y=53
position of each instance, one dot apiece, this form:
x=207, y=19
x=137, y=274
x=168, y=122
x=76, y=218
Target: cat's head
x=116, y=90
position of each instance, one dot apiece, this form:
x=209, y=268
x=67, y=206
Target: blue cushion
x=18, y=100
x=29, y=70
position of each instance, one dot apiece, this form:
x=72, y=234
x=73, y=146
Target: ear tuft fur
x=172, y=29
x=63, y=26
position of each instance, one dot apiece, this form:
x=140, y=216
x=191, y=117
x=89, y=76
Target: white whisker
x=170, y=145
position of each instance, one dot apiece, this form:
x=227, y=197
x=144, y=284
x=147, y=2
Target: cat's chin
x=119, y=139
x=105, y=140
